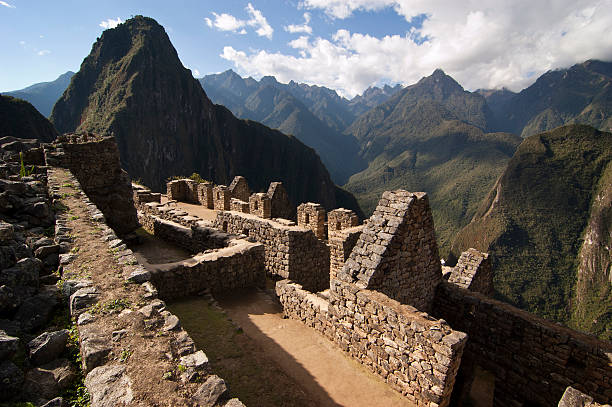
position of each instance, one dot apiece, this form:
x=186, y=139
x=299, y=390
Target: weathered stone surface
x=171, y=322
x=81, y=299
x=8, y=345
x=95, y=346
x=139, y=276
x=72, y=286
x=47, y=346
x=109, y=386
x=35, y=311
x=49, y=380
x=575, y=398
x=473, y=272
x=11, y=378
x=234, y=403
x=209, y=393
x=397, y=253
x=197, y=360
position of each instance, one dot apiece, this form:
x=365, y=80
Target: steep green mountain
x=20, y=119
x=431, y=137
x=44, y=95
x=580, y=94
x=134, y=86
x=547, y=223
x=269, y=102
x=371, y=97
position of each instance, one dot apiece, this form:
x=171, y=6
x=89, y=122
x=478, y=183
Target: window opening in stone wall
x=224, y=227
x=256, y=205
x=338, y=225
x=218, y=195
x=245, y=232
x=307, y=219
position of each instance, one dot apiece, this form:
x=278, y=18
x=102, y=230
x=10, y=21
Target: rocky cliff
x=547, y=225
x=134, y=86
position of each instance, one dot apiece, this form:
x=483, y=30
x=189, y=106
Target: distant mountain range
x=134, y=86
x=44, y=95
x=541, y=203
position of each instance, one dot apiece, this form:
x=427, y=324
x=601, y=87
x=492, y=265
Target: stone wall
x=312, y=216
x=238, y=266
x=533, y=360
x=94, y=161
x=239, y=206
x=341, y=244
x=290, y=251
x=473, y=272
x=239, y=188
x=340, y=219
x=302, y=305
x=260, y=205
x=417, y=355
x=221, y=198
x=281, y=206
x=143, y=195
x=205, y=194
x=397, y=253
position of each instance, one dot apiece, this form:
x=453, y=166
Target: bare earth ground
x=192, y=209
x=146, y=353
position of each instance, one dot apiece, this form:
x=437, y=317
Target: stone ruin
x=376, y=290
x=385, y=300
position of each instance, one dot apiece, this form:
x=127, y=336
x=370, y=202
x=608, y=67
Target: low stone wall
x=238, y=266
x=417, y=355
x=290, y=251
x=533, y=360
x=302, y=305
x=95, y=164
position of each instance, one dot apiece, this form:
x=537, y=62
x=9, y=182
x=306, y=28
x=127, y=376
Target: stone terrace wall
x=95, y=164
x=290, y=251
x=533, y=360
x=417, y=355
x=397, y=253
x=238, y=266
x=473, y=272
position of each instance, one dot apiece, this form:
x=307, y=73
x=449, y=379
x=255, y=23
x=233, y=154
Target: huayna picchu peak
x=133, y=86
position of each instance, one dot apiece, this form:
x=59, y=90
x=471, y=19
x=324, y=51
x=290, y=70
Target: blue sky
x=345, y=45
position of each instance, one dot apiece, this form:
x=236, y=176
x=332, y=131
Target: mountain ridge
x=133, y=85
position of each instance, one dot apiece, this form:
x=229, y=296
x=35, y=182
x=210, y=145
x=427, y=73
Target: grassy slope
x=533, y=220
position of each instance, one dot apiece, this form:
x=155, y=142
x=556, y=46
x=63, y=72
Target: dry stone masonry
x=341, y=244
x=290, y=251
x=94, y=161
x=473, y=272
x=340, y=219
x=312, y=216
x=239, y=188
x=397, y=253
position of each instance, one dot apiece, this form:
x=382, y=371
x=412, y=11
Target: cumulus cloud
x=259, y=22
x=5, y=4
x=481, y=44
x=43, y=52
x=300, y=28
x=227, y=22
x=110, y=23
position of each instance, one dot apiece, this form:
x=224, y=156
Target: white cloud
x=227, y=22
x=43, y=52
x=110, y=23
x=22, y=43
x=258, y=21
x=300, y=28
x=5, y=4
x=482, y=44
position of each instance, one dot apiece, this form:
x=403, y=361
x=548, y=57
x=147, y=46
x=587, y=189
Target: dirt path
x=327, y=374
